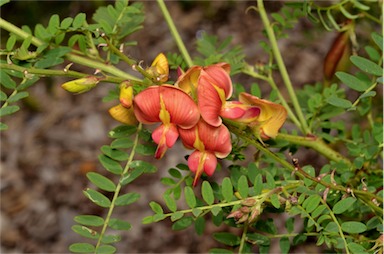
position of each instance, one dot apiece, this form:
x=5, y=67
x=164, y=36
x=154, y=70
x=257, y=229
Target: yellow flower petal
x=160, y=68
x=123, y=115
x=126, y=94
x=81, y=85
x=272, y=115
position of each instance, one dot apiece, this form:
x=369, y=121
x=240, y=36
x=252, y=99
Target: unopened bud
x=338, y=54
x=245, y=209
x=235, y=214
x=81, y=85
x=254, y=214
x=249, y=202
x=126, y=94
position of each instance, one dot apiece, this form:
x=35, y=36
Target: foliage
x=339, y=204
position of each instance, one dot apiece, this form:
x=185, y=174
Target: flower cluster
x=193, y=109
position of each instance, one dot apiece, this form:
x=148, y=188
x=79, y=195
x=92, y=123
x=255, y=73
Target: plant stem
x=118, y=188
x=47, y=72
x=282, y=67
x=317, y=144
x=71, y=57
x=175, y=33
x=243, y=237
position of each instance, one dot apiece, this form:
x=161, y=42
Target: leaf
x=53, y=24
x=353, y=227
x=131, y=176
x=170, y=202
x=105, y=249
x=176, y=216
x=119, y=224
x=227, y=189
x=242, y=186
x=227, y=238
x=275, y=201
x=3, y=96
x=122, y=131
x=352, y=81
x=156, y=207
x=110, y=165
x=255, y=90
x=101, y=181
x=196, y=212
x=66, y=23
x=89, y=220
x=183, y=223
x=175, y=173
x=143, y=165
x=3, y=126
x=190, y=197
x=366, y=65
x=97, y=198
x=10, y=42
x=332, y=227
x=200, y=225
x=207, y=193
x=290, y=224
x=311, y=203
x=79, y=20
x=258, y=184
x=6, y=81
x=17, y=96
x=219, y=251
x=284, y=244
x=338, y=102
x=378, y=39
x=82, y=248
x=8, y=110
x=114, y=154
x=127, y=199
x=343, y=205
x=85, y=231
x=146, y=149
x=357, y=248
x=111, y=239
x=147, y=220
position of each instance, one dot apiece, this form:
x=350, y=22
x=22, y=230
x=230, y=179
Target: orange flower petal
x=165, y=136
x=199, y=162
x=220, y=78
x=188, y=81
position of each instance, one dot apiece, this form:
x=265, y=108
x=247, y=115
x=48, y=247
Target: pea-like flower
x=272, y=116
x=209, y=143
x=170, y=106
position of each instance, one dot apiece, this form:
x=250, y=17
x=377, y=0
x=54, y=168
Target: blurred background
x=54, y=140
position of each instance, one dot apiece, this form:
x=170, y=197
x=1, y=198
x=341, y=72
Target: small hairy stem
x=282, y=67
x=118, y=187
x=243, y=237
x=316, y=144
x=175, y=33
x=47, y=72
x=71, y=57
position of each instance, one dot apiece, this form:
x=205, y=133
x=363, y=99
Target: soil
x=54, y=140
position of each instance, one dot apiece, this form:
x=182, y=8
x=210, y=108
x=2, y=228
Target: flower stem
x=282, y=67
x=175, y=33
x=118, y=188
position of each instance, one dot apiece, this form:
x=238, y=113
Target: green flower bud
x=81, y=85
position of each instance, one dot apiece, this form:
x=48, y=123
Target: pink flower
x=170, y=106
x=209, y=143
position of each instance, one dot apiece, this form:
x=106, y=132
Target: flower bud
x=337, y=56
x=249, y=202
x=81, y=85
x=126, y=94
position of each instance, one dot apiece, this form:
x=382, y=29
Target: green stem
x=282, y=67
x=118, y=188
x=175, y=33
x=243, y=237
x=71, y=57
x=317, y=144
x=272, y=83
x=48, y=72
x=338, y=225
